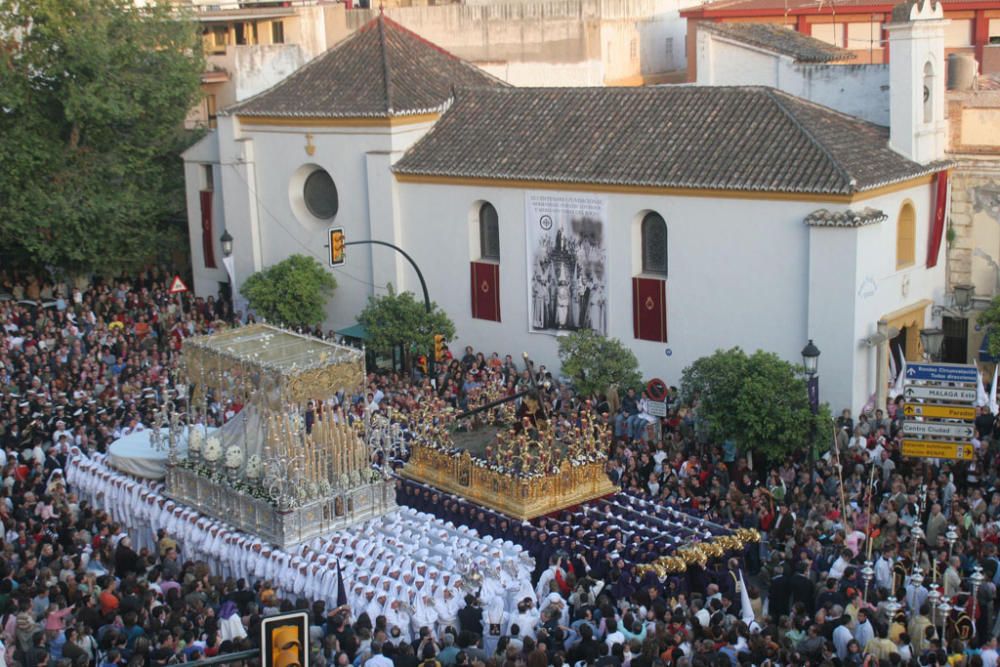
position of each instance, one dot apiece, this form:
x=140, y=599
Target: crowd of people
x=82, y=364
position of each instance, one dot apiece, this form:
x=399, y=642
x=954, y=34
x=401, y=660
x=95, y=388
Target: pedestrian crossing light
x=438, y=347
x=336, y=246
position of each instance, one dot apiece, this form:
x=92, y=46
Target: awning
x=984, y=351
x=356, y=330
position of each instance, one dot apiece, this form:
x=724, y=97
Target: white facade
x=745, y=272
x=744, y=267
x=918, y=123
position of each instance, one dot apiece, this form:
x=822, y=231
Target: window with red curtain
x=207, y=237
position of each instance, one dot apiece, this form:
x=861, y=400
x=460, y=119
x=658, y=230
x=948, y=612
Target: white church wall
x=722, y=62
x=269, y=220
x=833, y=293
x=859, y=90
x=854, y=282
x=892, y=289
x=728, y=283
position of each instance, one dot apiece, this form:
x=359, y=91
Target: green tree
x=989, y=319
x=758, y=401
x=93, y=96
x=292, y=292
x=398, y=319
x=595, y=362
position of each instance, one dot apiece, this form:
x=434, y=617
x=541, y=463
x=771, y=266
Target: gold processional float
x=525, y=464
x=270, y=471
x=530, y=464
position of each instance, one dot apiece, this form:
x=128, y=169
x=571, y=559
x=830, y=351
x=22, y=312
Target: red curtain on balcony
x=207, y=237
x=485, y=286
x=649, y=309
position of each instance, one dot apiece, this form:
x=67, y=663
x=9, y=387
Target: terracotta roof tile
x=786, y=41
x=862, y=218
x=707, y=137
x=381, y=70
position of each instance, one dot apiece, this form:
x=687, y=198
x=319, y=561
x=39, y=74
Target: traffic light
x=336, y=246
x=285, y=640
x=438, y=347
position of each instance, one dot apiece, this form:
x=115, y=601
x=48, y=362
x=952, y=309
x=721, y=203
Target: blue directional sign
x=941, y=373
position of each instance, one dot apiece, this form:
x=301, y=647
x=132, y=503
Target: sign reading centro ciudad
x=939, y=411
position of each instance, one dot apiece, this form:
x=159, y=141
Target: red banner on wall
x=485, y=291
x=207, y=237
x=937, y=222
x=649, y=309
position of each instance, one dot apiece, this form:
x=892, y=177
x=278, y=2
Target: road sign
x=177, y=286
x=940, y=393
x=938, y=450
x=942, y=373
x=932, y=411
x=938, y=429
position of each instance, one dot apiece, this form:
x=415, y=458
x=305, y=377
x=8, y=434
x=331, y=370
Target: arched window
x=906, y=236
x=928, y=92
x=489, y=232
x=654, y=244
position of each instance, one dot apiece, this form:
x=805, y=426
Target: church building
x=678, y=219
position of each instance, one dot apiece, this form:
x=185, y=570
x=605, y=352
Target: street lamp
x=810, y=358
x=931, y=340
x=961, y=299
x=810, y=362
x=962, y=294
x=227, y=243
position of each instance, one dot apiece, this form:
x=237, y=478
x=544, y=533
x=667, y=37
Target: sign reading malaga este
x=939, y=411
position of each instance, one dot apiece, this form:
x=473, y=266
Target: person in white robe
x=424, y=614
x=447, y=605
x=495, y=619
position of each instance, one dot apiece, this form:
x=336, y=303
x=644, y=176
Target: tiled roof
x=381, y=70
x=825, y=218
x=773, y=37
x=707, y=137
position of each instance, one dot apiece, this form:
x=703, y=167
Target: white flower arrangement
x=234, y=457
x=254, y=467
x=213, y=450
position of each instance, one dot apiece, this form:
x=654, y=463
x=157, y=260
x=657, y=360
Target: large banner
x=567, y=262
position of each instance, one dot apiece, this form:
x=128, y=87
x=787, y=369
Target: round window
x=320, y=195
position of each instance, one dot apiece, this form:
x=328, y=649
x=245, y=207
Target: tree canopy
x=990, y=320
x=595, y=362
x=292, y=292
x=93, y=96
x=396, y=319
x=758, y=401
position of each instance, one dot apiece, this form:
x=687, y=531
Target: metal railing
x=238, y=656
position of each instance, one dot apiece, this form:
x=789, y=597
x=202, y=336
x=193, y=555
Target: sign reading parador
x=939, y=413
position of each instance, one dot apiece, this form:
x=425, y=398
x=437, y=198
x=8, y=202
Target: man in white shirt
x=377, y=659
x=989, y=653
x=842, y=634
x=615, y=635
